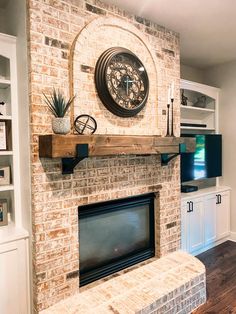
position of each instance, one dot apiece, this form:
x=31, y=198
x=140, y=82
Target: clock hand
x=128, y=81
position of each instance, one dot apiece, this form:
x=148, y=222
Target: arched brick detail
x=97, y=36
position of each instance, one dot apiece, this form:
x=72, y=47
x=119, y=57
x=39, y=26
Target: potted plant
x=58, y=107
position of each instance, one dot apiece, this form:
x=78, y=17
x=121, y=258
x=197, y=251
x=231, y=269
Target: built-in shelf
x=194, y=113
x=6, y=152
x=11, y=233
x=204, y=191
x=5, y=117
x=203, y=110
x=196, y=128
x=191, y=114
x=9, y=187
x=4, y=83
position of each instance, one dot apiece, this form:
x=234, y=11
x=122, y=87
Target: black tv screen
x=206, y=161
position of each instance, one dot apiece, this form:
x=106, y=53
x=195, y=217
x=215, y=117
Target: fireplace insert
x=114, y=235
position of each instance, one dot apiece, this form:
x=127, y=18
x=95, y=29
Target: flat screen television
x=206, y=161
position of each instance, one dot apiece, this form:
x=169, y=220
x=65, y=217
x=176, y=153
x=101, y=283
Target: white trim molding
x=232, y=236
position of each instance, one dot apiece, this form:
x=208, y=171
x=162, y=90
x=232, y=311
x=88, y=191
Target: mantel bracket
x=68, y=164
x=166, y=158
x=82, y=152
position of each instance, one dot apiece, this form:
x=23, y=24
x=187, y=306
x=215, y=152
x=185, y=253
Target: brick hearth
x=172, y=284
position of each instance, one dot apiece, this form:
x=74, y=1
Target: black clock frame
x=102, y=88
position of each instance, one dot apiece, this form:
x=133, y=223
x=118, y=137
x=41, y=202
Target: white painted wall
x=2, y=21
x=224, y=77
x=191, y=74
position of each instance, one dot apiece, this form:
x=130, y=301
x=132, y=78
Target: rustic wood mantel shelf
x=73, y=148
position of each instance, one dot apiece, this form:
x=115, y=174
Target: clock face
x=121, y=81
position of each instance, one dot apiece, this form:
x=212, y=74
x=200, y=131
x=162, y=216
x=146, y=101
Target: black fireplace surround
x=114, y=235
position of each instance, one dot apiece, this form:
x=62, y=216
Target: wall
x=191, y=74
x=53, y=26
x=224, y=77
x=3, y=20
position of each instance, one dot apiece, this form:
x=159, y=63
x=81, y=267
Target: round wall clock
x=121, y=81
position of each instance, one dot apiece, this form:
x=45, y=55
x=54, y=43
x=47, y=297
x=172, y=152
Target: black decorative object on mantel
x=85, y=124
x=170, y=106
x=172, y=118
x=168, y=121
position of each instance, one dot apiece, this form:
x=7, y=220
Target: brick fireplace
x=75, y=33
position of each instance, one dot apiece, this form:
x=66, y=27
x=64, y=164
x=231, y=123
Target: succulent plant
x=57, y=104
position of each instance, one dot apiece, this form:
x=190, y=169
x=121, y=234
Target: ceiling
x=207, y=27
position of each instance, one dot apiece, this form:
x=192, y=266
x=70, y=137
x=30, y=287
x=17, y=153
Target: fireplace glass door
x=114, y=235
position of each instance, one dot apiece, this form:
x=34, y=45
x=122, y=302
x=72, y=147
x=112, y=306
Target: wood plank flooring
x=220, y=265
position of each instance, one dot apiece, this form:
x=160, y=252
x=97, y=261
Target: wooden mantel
x=74, y=148
x=64, y=146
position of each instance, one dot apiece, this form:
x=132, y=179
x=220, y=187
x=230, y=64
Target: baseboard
x=232, y=236
x=211, y=245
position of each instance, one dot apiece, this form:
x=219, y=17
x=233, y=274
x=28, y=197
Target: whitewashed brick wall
x=52, y=28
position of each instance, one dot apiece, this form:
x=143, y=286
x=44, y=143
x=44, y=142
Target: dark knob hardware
x=218, y=199
x=190, y=207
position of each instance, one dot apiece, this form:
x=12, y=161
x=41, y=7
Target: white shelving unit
x=191, y=114
x=14, y=247
x=205, y=214
x=9, y=114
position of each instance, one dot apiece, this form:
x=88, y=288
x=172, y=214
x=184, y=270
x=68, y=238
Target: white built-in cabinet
x=205, y=214
x=14, y=256
x=13, y=280
x=205, y=218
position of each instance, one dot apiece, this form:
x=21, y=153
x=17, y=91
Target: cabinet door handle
x=189, y=209
x=191, y=206
x=218, y=198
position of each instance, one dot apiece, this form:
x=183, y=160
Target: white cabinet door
x=13, y=278
x=210, y=218
x=195, y=220
x=223, y=215
x=192, y=228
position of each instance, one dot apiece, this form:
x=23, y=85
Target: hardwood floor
x=220, y=265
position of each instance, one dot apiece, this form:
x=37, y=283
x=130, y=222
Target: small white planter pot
x=61, y=125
